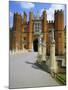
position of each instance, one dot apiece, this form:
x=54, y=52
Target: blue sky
x=20, y=7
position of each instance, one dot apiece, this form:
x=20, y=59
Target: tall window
x=37, y=26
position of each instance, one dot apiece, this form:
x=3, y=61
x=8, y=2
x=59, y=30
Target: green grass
x=61, y=77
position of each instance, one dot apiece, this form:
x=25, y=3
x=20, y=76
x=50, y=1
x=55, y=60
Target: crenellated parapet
x=58, y=11
x=50, y=24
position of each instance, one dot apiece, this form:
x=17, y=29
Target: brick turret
x=59, y=32
x=44, y=26
x=24, y=18
x=16, y=29
x=22, y=36
x=30, y=31
x=45, y=30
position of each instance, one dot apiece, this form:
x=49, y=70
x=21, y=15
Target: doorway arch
x=35, y=45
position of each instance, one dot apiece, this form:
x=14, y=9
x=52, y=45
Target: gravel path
x=23, y=72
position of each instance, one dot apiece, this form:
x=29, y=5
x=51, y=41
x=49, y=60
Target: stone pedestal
x=39, y=58
x=39, y=49
x=53, y=62
x=44, y=52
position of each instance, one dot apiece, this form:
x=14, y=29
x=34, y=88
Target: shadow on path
x=42, y=66
x=33, y=65
x=29, y=62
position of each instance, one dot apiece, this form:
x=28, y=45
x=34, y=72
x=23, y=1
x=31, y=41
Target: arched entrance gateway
x=35, y=45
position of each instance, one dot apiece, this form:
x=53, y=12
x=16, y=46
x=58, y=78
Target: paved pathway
x=23, y=73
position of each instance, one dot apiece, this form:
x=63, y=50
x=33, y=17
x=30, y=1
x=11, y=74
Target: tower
x=11, y=38
x=17, y=31
x=59, y=32
x=45, y=35
x=22, y=36
x=30, y=30
x=25, y=32
x=44, y=26
x=24, y=18
x=53, y=62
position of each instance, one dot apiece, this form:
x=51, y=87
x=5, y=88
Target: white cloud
x=11, y=14
x=41, y=11
x=11, y=19
x=50, y=11
x=27, y=5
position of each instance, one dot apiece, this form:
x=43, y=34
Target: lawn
x=61, y=77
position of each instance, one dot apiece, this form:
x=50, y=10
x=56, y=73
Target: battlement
x=17, y=16
x=16, y=13
x=50, y=24
x=50, y=21
x=58, y=11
